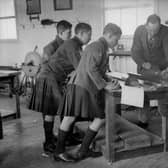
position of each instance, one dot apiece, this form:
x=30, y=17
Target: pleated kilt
x=46, y=95
x=81, y=103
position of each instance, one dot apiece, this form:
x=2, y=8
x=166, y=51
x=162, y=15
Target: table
x=112, y=101
x=121, y=61
x=120, y=53
x=11, y=77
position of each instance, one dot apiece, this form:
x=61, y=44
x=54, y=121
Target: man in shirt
x=150, y=52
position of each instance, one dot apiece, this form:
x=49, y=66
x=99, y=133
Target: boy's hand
x=114, y=84
x=146, y=65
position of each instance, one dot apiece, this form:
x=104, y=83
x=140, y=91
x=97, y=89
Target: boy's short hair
x=112, y=28
x=153, y=19
x=63, y=25
x=82, y=27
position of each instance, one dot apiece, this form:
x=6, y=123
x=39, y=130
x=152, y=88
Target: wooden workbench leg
x=1, y=128
x=18, y=115
x=110, y=128
x=165, y=132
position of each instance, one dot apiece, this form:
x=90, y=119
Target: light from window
x=128, y=14
x=7, y=20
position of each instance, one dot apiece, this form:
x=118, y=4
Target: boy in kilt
x=84, y=96
x=52, y=78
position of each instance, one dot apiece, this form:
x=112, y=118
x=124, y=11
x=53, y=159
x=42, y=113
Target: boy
x=52, y=79
x=85, y=94
x=63, y=33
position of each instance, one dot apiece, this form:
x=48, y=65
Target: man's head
x=153, y=25
x=83, y=31
x=112, y=34
x=64, y=29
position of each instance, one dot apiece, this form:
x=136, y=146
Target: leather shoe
x=83, y=155
x=64, y=157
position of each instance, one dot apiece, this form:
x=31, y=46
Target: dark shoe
x=90, y=153
x=63, y=157
x=48, y=148
x=73, y=140
x=143, y=125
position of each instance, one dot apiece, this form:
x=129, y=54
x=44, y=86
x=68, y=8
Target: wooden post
x=18, y=115
x=1, y=128
x=165, y=131
x=110, y=110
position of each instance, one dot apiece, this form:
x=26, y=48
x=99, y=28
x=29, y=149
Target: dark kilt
x=81, y=103
x=46, y=95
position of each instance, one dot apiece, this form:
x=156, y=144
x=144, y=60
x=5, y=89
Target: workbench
x=157, y=144
x=10, y=77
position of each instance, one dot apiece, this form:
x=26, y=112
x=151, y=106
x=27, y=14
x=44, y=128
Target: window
x=7, y=20
x=128, y=14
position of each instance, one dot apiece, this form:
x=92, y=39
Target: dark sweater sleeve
x=137, y=49
x=165, y=47
x=93, y=68
x=50, y=48
x=74, y=55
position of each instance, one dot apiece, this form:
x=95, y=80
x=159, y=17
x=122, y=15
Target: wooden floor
x=22, y=148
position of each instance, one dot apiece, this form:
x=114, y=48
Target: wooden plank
x=1, y=128
x=126, y=154
x=127, y=126
x=137, y=141
x=16, y=88
x=165, y=132
x=110, y=127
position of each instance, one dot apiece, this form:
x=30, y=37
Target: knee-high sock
x=48, y=131
x=89, y=136
x=62, y=136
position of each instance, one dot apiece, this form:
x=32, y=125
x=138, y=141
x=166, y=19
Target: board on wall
x=33, y=7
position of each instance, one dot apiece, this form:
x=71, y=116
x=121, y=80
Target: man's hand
x=114, y=84
x=146, y=65
x=164, y=74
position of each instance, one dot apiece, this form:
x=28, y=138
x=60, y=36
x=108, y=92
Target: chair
x=30, y=69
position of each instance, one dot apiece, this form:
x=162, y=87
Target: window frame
x=123, y=7
x=9, y=17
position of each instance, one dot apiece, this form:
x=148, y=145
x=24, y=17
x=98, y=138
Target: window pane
x=7, y=8
x=143, y=13
x=128, y=14
x=8, y=29
x=128, y=20
x=119, y=3
x=112, y=16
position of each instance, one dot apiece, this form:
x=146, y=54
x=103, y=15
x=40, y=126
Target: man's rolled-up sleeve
x=137, y=49
x=165, y=47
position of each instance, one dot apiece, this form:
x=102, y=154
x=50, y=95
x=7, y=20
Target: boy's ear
x=109, y=35
x=61, y=33
x=80, y=33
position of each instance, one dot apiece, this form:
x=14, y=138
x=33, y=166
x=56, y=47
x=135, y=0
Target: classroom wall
x=32, y=33
x=162, y=10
